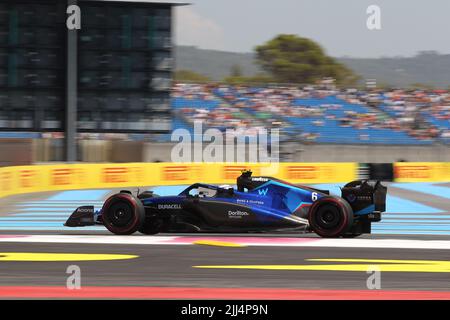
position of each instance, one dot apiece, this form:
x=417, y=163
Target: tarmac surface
x=407, y=257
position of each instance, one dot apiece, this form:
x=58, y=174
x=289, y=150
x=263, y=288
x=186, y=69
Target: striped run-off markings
x=80, y=195
x=393, y=204
x=51, y=213
x=403, y=216
x=407, y=217
x=244, y=241
x=215, y=293
x=427, y=188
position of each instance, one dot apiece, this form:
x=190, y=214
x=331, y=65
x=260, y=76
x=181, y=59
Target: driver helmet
x=226, y=186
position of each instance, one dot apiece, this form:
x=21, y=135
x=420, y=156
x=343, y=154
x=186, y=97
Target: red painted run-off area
x=215, y=293
x=244, y=240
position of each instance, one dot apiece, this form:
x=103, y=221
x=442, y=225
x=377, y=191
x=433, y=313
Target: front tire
x=330, y=217
x=123, y=214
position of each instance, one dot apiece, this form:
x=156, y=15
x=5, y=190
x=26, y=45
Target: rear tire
x=123, y=214
x=330, y=217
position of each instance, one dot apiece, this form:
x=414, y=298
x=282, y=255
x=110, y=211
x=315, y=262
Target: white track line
x=247, y=241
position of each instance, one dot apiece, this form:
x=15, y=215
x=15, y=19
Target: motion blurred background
x=114, y=90
x=85, y=113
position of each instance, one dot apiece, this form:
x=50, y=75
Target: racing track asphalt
x=173, y=265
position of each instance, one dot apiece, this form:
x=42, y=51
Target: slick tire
x=123, y=214
x=330, y=217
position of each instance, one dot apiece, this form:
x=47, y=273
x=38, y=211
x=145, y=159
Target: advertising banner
x=40, y=178
x=422, y=171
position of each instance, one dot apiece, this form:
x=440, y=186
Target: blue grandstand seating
x=179, y=103
x=178, y=123
x=440, y=123
x=329, y=132
x=332, y=132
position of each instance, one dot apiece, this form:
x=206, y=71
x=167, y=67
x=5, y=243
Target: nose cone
x=82, y=216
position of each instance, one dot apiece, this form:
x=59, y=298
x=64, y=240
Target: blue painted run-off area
x=404, y=216
x=79, y=195
x=393, y=204
x=427, y=188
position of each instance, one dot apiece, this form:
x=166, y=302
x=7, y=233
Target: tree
x=421, y=86
x=190, y=76
x=257, y=79
x=292, y=59
x=235, y=71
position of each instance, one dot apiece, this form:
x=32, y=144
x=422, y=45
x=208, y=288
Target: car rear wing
x=362, y=194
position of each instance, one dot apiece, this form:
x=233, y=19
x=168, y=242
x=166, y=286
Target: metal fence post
x=71, y=93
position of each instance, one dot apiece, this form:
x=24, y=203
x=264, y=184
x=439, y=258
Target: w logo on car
x=263, y=192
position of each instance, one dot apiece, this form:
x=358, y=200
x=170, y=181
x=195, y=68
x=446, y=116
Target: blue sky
x=407, y=26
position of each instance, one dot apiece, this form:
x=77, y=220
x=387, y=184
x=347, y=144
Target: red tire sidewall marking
x=130, y=200
x=342, y=208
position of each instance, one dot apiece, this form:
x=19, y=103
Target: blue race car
x=258, y=204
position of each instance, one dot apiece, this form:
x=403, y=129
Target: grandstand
x=309, y=115
x=332, y=131
x=192, y=103
x=317, y=115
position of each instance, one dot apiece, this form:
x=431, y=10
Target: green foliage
x=190, y=76
x=236, y=71
x=292, y=59
x=260, y=78
x=421, y=86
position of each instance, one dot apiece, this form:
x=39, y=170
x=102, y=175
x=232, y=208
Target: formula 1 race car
x=258, y=204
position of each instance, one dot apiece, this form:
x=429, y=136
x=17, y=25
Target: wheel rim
x=328, y=217
x=120, y=214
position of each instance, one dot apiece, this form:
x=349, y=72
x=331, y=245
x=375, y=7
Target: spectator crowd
x=423, y=115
